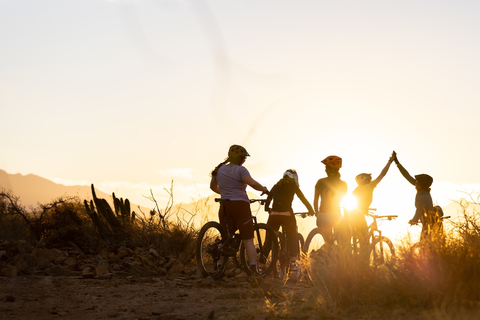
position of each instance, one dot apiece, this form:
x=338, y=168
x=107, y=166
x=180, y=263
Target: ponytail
x=215, y=171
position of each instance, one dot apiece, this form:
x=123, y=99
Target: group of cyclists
x=230, y=179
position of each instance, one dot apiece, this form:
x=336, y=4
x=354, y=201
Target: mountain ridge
x=33, y=189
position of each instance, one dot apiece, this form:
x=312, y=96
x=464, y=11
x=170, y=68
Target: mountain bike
x=381, y=248
x=282, y=268
x=215, y=246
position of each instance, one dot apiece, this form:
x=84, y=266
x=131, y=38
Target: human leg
x=241, y=216
x=290, y=225
x=324, y=224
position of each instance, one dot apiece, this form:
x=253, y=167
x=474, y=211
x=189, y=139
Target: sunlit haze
x=130, y=95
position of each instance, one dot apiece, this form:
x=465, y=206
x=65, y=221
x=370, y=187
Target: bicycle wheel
x=266, y=245
x=314, y=242
x=301, y=243
x=283, y=261
x=210, y=259
x=281, y=265
x=382, y=251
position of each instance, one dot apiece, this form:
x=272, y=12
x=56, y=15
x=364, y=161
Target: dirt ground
x=187, y=297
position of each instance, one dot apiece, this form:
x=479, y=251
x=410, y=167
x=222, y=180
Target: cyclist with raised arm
x=281, y=213
x=425, y=211
x=330, y=191
x=364, y=194
x=230, y=179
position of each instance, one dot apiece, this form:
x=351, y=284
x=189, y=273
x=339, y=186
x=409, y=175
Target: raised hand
x=393, y=157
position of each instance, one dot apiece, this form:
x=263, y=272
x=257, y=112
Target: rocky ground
x=181, y=297
x=121, y=283
x=40, y=283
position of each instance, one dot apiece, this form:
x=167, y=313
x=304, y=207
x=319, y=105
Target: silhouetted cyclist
x=424, y=209
x=331, y=191
x=364, y=194
x=230, y=179
x=281, y=212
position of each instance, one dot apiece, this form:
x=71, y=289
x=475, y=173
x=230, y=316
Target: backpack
x=438, y=210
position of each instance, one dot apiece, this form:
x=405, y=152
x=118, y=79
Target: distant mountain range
x=33, y=190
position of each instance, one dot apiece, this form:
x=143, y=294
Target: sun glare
x=349, y=202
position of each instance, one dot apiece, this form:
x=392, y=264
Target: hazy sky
x=129, y=95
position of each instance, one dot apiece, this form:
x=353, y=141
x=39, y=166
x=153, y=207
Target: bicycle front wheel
x=382, y=251
x=210, y=259
x=314, y=242
x=266, y=246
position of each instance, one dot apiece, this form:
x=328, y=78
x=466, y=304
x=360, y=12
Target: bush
x=67, y=222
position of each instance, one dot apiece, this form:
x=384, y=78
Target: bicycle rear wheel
x=210, y=259
x=382, y=251
x=282, y=266
x=314, y=242
x=266, y=245
x=301, y=243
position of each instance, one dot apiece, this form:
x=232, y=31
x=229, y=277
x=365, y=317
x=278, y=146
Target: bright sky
x=129, y=95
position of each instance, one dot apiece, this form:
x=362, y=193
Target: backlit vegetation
x=440, y=281
x=93, y=225
x=443, y=277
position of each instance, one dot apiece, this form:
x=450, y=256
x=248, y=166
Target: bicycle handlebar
x=262, y=201
x=305, y=214
x=389, y=217
x=418, y=222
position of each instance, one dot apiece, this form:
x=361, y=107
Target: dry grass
x=65, y=222
x=440, y=282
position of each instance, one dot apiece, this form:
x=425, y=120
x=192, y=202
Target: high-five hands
x=393, y=157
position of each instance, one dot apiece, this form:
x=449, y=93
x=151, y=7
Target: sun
x=349, y=202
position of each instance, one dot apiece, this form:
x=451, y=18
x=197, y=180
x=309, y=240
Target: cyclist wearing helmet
x=424, y=209
x=364, y=194
x=230, y=179
x=281, y=212
x=330, y=190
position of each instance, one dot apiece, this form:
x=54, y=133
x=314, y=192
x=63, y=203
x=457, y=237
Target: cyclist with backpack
x=425, y=211
x=364, y=194
x=281, y=213
x=331, y=190
x=230, y=179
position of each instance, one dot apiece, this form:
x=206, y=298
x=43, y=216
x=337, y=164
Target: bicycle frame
x=374, y=233
x=229, y=250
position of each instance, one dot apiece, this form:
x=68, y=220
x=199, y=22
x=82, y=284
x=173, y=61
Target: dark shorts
x=239, y=216
x=290, y=228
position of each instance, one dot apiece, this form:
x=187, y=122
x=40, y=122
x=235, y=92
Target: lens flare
x=349, y=202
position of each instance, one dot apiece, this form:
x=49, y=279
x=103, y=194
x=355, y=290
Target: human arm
x=254, y=184
x=404, y=171
x=304, y=200
x=214, y=185
x=315, y=199
x=384, y=171
x=419, y=210
x=269, y=199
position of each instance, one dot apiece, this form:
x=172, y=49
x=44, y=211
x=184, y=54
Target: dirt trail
x=189, y=297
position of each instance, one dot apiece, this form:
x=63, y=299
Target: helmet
x=363, y=178
x=237, y=150
x=424, y=179
x=292, y=174
x=333, y=162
